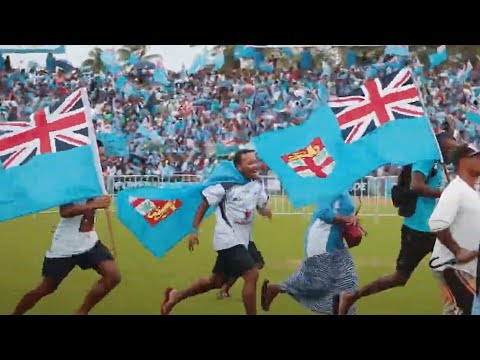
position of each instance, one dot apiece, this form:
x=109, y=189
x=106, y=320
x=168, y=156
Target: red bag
x=353, y=233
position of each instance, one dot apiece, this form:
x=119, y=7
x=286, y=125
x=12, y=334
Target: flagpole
x=422, y=101
x=98, y=165
x=110, y=232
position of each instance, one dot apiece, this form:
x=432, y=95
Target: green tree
x=94, y=62
x=125, y=52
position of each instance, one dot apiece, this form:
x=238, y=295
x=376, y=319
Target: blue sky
x=173, y=55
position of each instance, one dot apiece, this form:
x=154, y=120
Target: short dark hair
x=237, y=159
x=99, y=143
x=463, y=151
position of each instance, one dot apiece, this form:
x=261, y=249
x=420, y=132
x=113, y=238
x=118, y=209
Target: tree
x=125, y=52
x=94, y=62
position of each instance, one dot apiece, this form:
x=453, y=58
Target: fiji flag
x=161, y=217
x=315, y=164
x=50, y=160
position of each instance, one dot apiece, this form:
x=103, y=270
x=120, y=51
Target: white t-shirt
x=68, y=240
x=459, y=210
x=236, y=206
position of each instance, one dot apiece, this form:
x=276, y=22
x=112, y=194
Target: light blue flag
x=268, y=68
x=121, y=82
x=350, y=58
x=161, y=217
x=200, y=61
x=241, y=51
x=49, y=179
x=418, y=71
x=439, y=57
x=219, y=61
x=287, y=52
x=224, y=150
x=323, y=94
x=306, y=60
x=473, y=116
x=151, y=134
x=371, y=73
x=160, y=76
x=326, y=69
x=115, y=144
x=130, y=90
x=314, y=164
x=133, y=59
x=398, y=50
x=109, y=59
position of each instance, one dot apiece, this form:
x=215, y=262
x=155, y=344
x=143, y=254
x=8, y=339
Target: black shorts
x=256, y=255
x=234, y=262
x=415, y=246
x=59, y=268
x=461, y=289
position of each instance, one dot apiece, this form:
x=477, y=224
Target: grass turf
x=145, y=277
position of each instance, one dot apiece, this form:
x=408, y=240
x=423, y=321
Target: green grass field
x=25, y=240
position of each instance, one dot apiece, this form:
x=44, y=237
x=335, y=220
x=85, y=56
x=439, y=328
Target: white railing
x=117, y=183
x=373, y=192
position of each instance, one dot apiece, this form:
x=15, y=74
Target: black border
x=221, y=22
x=286, y=23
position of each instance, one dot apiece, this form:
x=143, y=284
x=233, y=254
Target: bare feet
x=346, y=300
x=168, y=301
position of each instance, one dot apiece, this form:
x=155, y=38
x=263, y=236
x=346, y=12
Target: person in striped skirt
x=328, y=267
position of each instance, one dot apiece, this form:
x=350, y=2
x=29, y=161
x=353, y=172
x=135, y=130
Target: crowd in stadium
x=183, y=125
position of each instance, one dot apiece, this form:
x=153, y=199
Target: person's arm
x=212, y=196
x=328, y=215
x=201, y=211
x=262, y=204
x=72, y=210
x=420, y=173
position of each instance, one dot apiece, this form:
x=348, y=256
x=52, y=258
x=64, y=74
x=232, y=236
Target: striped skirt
x=322, y=277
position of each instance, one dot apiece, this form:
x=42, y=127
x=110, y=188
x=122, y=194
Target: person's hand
x=192, y=241
x=351, y=219
x=102, y=202
x=267, y=213
x=464, y=256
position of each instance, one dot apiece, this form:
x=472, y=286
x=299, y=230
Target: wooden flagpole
x=110, y=231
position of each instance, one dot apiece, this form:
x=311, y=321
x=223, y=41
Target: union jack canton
x=376, y=103
x=47, y=132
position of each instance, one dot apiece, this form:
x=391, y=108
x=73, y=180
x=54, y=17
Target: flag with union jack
x=315, y=165
x=376, y=103
x=50, y=160
x=47, y=131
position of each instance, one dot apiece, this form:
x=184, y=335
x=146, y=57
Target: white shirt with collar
x=235, y=211
x=459, y=210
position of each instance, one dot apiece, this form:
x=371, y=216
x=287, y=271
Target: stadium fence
x=373, y=192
